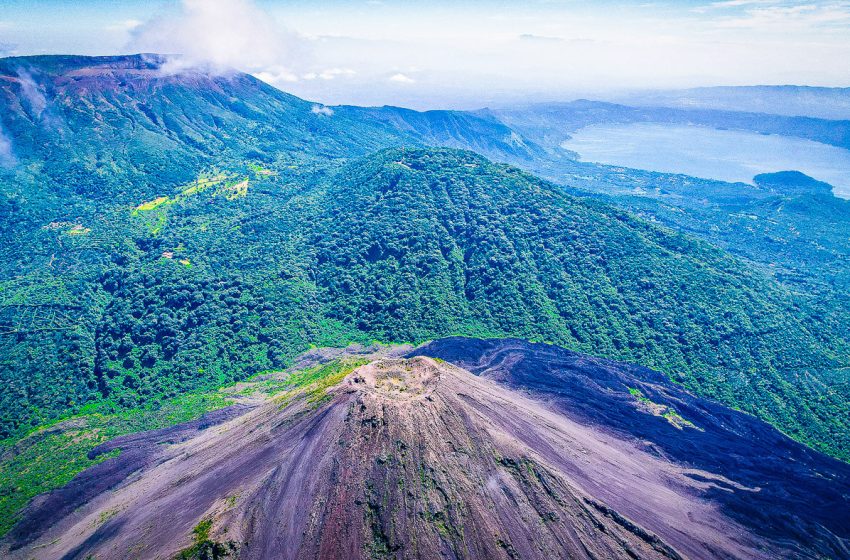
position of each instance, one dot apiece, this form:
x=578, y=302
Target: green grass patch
x=78, y=230
x=315, y=382
x=50, y=456
x=153, y=204
x=203, y=183
x=677, y=420
x=204, y=548
x=259, y=170
x=229, y=185
x=666, y=412
x=639, y=396
x=235, y=190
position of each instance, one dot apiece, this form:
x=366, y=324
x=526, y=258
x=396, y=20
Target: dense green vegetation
x=787, y=226
x=448, y=242
x=136, y=262
x=406, y=246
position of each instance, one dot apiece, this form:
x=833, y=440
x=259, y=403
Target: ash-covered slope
x=780, y=489
x=417, y=458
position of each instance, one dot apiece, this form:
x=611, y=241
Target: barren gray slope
x=407, y=458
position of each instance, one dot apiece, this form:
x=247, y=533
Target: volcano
x=416, y=457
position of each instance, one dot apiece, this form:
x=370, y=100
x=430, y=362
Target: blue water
x=727, y=155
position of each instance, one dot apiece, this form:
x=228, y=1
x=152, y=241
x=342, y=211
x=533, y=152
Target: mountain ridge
x=255, y=232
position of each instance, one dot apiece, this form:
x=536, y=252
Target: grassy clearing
x=51, y=455
x=203, y=183
x=153, y=204
x=315, y=382
x=312, y=384
x=235, y=190
x=78, y=230
x=155, y=212
x=259, y=170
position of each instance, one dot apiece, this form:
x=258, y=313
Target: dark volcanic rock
x=137, y=451
x=778, y=488
x=552, y=457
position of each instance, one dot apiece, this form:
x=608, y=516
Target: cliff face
x=410, y=458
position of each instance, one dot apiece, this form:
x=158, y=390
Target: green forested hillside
x=214, y=284
x=119, y=128
x=495, y=251
x=166, y=233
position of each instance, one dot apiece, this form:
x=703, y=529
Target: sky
x=463, y=53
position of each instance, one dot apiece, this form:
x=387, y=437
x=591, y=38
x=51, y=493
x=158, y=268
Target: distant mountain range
x=550, y=124
x=793, y=101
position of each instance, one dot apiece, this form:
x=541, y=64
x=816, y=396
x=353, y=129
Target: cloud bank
x=472, y=54
x=219, y=35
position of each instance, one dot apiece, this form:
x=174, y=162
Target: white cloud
x=276, y=76
x=219, y=35
x=401, y=79
x=31, y=92
x=354, y=54
x=329, y=74
x=541, y=38
x=727, y=4
x=322, y=110
x=126, y=26
x=7, y=158
x=786, y=17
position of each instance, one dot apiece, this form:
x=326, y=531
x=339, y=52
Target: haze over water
x=727, y=155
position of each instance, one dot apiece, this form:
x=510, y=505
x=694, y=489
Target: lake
x=709, y=153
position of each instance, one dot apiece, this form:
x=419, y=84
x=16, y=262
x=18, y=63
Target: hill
x=389, y=457
x=401, y=245
x=119, y=127
x=237, y=225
